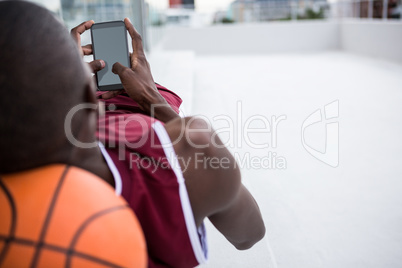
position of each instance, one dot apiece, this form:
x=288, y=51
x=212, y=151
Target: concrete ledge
x=366, y=37
x=255, y=38
x=372, y=38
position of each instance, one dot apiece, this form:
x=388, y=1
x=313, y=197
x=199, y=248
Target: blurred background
x=319, y=82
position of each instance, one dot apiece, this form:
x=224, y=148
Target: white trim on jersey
x=118, y=185
x=199, y=246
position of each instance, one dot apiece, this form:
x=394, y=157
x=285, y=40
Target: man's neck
x=93, y=161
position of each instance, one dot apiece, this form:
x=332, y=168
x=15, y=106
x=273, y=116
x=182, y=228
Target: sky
x=49, y=4
x=212, y=5
x=201, y=5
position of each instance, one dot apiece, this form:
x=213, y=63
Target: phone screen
x=109, y=43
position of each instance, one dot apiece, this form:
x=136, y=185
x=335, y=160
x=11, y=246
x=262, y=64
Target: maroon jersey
x=148, y=175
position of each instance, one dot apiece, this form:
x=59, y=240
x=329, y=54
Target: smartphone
x=109, y=43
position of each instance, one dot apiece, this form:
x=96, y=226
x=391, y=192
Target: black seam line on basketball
x=32, y=243
x=95, y=259
x=48, y=217
x=13, y=224
x=16, y=240
x=82, y=228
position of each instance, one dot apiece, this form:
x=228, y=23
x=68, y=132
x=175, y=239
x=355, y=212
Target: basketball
x=64, y=216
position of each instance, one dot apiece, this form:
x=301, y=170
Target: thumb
x=120, y=69
x=97, y=65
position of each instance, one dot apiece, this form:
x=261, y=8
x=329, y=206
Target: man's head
x=42, y=76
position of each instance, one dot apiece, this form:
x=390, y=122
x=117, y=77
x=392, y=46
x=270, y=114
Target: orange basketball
x=63, y=216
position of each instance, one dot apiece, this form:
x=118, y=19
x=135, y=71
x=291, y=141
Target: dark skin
x=216, y=193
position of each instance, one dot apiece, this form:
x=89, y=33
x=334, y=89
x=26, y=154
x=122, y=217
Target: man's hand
x=95, y=65
x=139, y=83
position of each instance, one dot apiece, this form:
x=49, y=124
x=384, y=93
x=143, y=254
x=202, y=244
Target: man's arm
x=215, y=191
x=139, y=83
x=241, y=222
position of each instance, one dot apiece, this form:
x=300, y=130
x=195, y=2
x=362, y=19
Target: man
x=44, y=80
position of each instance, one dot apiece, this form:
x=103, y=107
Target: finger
x=80, y=29
x=87, y=50
x=96, y=65
x=135, y=36
x=119, y=69
x=111, y=94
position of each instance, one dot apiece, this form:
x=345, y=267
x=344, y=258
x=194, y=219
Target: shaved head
x=42, y=77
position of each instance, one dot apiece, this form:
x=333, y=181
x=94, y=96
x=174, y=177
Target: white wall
x=255, y=38
x=372, y=38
